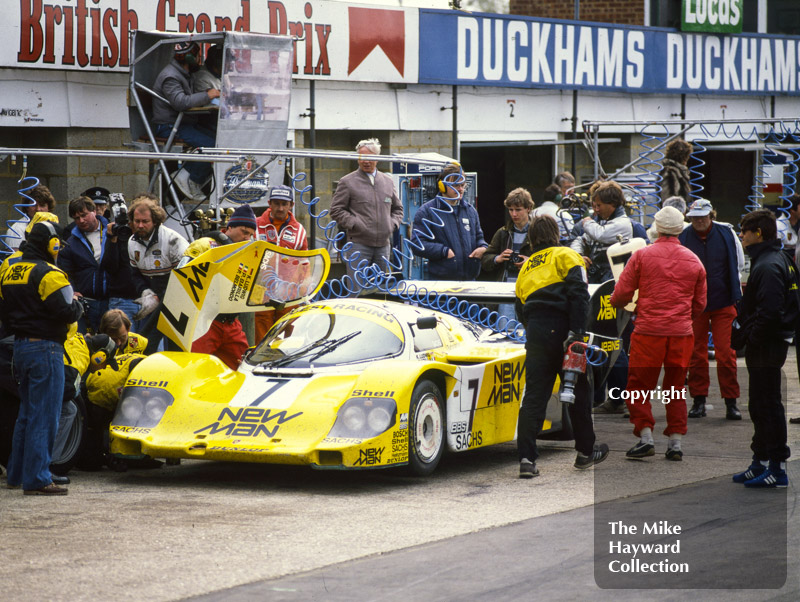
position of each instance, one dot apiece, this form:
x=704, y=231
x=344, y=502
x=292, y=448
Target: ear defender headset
x=54, y=243
x=442, y=187
x=101, y=356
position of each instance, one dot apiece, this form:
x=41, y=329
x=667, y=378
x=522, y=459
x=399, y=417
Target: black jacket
x=770, y=306
x=108, y=277
x=36, y=298
x=553, y=280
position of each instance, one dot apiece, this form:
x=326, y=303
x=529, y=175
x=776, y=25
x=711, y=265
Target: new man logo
x=247, y=422
x=607, y=311
x=195, y=276
x=539, y=259
x=508, y=379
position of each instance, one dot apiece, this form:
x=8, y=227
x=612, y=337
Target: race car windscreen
x=283, y=278
x=324, y=339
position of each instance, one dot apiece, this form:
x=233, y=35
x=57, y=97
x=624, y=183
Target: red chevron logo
x=376, y=27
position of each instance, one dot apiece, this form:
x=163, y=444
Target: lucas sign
x=715, y=16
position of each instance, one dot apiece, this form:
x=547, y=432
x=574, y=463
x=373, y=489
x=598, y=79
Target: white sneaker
x=188, y=187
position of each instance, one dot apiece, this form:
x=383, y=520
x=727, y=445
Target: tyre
x=426, y=428
x=76, y=437
x=9, y=408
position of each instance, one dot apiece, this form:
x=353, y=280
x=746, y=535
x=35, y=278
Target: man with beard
x=154, y=250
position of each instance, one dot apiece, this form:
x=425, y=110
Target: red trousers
x=720, y=321
x=226, y=340
x=265, y=320
x=648, y=354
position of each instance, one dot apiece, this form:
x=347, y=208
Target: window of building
x=783, y=17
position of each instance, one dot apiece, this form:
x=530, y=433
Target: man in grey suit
x=365, y=205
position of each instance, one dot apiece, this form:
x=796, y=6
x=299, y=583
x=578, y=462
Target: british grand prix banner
x=491, y=50
x=333, y=40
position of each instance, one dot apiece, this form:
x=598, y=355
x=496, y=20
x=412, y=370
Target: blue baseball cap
x=281, y=193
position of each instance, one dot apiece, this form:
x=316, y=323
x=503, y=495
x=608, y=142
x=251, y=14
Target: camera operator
x=96, y=260
x=601, y=230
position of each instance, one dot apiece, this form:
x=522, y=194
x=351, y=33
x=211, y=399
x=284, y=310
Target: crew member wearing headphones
x=174, y=84
x=40, y=216
x=449, y=230
x=37, y=305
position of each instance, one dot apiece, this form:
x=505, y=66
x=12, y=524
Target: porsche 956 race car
x=337, y=384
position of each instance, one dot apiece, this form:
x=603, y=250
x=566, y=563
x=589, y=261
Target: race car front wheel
x=71, y=436
x=426, y=424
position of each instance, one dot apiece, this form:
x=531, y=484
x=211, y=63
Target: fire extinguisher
x=574, y=366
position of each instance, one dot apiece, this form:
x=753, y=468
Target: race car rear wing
x=475, y=291
x=604, y=320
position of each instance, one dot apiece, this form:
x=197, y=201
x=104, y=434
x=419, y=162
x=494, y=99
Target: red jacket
x=672, y=288
x=291, y=236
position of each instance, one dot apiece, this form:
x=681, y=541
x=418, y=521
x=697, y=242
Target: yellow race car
x=338, y=384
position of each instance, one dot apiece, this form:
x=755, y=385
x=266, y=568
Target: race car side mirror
x=426, y=322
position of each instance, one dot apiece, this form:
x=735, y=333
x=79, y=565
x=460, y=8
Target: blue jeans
x=196, y=136
x=129, y=307
x=39, y=365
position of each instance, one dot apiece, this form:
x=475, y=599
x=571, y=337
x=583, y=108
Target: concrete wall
x=67, y=177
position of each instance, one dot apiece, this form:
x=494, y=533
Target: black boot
x=698, y=407
x=732, y=412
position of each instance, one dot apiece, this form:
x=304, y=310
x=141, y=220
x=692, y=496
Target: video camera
x=577, y=205
x=119, y=215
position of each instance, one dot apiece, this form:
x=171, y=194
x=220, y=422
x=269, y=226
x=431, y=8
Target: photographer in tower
x=95, y=258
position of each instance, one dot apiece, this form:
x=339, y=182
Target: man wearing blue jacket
x=449, y=230
x=97, y=264
x=717, y=247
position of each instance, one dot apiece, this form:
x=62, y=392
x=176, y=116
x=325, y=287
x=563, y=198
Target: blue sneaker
x=754, y=470
x=769, y=479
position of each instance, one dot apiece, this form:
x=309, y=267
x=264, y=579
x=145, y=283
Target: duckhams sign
x=487, y=50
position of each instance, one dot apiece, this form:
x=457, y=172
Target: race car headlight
x=364, y=417
x=354, y=418
x=379, y=419
x=142, y=406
